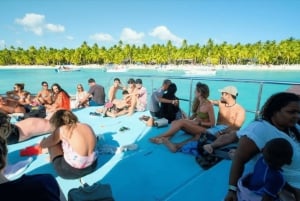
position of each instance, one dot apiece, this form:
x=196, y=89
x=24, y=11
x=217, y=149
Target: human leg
x=188, y=126
x=174, y=147
x=221, y=140
x=55, y=151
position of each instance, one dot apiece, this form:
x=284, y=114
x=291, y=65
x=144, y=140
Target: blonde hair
x=63, y=117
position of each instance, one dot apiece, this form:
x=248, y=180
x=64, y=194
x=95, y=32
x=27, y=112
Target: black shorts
x=14, y=135
x=66, y=171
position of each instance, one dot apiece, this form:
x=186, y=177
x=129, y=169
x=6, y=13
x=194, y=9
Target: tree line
x=264, y=53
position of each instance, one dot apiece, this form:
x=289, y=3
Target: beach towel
x=13, y=171
x=207, y=160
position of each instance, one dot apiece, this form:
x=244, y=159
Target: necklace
x=226, y=105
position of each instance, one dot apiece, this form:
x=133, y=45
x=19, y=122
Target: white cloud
x=163, y=33
x=70, y=38
x=2, y=43
x=130, y=36
x=102, y=37
x=36, y=24
x=55, y=28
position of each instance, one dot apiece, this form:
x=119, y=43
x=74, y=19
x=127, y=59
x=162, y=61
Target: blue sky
x=68, y=23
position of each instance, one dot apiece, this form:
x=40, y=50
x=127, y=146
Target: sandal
x=123, y=128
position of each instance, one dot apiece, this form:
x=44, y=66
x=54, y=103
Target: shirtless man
x=45, y=95
x=124, y=106
x=113, y=89
x=19, y=94
x=10, y=106
x=231, y=117
x=22, y=130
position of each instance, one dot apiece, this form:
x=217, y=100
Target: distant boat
x=116, y=69
x=66, y=69
x=200, y=72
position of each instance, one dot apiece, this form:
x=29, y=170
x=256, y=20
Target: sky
x=68, y=23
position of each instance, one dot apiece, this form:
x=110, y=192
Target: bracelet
x=173, y=102
x=232, y=188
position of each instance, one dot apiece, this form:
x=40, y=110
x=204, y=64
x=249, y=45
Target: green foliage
x=269, y=52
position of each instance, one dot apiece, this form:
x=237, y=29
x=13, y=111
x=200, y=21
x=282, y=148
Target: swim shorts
x=66, y=171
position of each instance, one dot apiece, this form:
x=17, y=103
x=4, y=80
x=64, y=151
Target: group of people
x=272, y=140
x=231, y=117
x=134, y=98
x=275, y=135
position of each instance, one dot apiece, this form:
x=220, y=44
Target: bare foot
x=156, y=140
x=208, y=148
x=172, y=147
x=150, y=122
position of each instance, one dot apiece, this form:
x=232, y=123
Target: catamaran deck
x=149, y=173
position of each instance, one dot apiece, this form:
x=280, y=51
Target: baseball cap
x=230, y=90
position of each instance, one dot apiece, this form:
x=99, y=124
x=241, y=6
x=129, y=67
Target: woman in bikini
x=71, y=146
x=203, y=117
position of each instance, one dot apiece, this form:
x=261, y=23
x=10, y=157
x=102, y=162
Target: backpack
x=34, y=111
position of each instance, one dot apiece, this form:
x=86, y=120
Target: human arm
x=211, y=117
x=244, y=152
x=51, y=140
x=240, y=118
x=215, y=102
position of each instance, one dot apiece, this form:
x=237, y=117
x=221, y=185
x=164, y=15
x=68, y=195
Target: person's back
x=71, y=146
x=82, y=139
x=154, y=104
x=168, y=110
x=97, y=92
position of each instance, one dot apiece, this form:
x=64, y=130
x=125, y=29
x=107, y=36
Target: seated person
x=141, y=93
x=169, y=110
x=10, y=106
x=117, y=85
x=19, y=94
x=71, y=146
x=266, y=181
x=22, y=130
x=122, y=107
x=44, y=96
x=80, y=100
x=61, y=99
x=28, y=187
x=231, y=117
x=198, y=123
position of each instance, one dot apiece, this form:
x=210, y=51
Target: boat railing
x=190, y=83
x=261, y=84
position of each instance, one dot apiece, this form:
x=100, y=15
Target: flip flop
x=124, y=128
x=95, y=114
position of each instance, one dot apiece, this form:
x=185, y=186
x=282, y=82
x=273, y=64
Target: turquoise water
x=248, y=92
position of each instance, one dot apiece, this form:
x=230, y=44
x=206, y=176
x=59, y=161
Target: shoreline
x=295, y=67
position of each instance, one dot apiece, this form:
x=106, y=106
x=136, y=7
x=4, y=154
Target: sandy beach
x=174, y=67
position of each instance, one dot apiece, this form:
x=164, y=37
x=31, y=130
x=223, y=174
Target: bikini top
x=202, y=115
